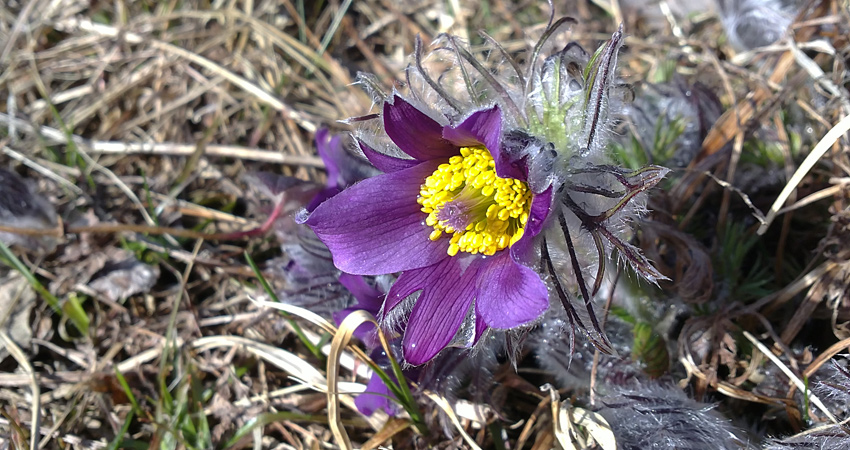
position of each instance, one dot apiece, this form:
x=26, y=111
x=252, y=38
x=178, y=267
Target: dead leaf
x=578, y=428
x=122, y=279
x=16, y=301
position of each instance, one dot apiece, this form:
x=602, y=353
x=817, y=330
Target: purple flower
x=457, y=221
x=368, y=299
x=377, y=395
x=307, y=271
x=343, y=168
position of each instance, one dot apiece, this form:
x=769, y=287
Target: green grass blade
x=72, y=308
x=127, y=391
x=118, y=442
x=316, y=351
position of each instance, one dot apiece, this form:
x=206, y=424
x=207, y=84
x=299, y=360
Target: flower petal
x=368, y=298
x=481, y=127
x=485, y=127
x=541, y=206
x=509, y=167
x=386, y=163
x=512, y=161
x=439, y=310
x=365, y=332
x=377, y=396
x=414, y=132
x=321, y=196
x=376, y=227
x=509, y=294
x=329, y=148
x=407, y=283
x=480, y=328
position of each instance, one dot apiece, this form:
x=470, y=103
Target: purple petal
x=368, y=298
x=509, y=294
x=377, y=396
x=480, y=328
x=485, y=127
x=508, y=167
x=480, y=128
x=408, y=282
x=365, y=332
x=386, y=163
x=329, y=148
x=376, y=227
x=512, y=161
x=440, y=309
x=541, y=206
x=321, y=196
x=415, y=133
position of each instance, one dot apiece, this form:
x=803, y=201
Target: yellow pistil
x=467, y=200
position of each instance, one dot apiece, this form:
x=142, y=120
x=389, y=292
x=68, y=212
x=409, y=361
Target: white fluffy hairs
x=652, y=415
x=756, y=23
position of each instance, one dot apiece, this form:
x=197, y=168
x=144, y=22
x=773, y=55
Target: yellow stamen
x=485, y=213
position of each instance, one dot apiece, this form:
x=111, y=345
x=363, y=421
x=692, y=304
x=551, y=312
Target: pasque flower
x=496, y=192
x=447, y=222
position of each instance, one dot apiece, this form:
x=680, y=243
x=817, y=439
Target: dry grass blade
x=811, y=198
x=291, y=363
x=160, y=148
x=259, y=93
x=447, y=408
x=729, y=187
x=577, y=428
x=345, y=359
x=831, y=137
x=392, y=427
x=595, y=425
x=228, y=151
x=532, y=420
x=817, y=74
x=787, y=293
x=561, y=431
x=305, y=314
x=340, y=341
x=791, y=376
x=23, y=361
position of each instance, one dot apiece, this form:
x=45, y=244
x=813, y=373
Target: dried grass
x=144, y=116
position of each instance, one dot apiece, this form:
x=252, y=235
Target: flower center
x=465, y=198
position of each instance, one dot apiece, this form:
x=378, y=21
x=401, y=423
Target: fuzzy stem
x=605, y=346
